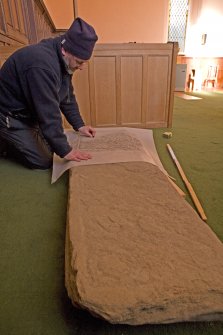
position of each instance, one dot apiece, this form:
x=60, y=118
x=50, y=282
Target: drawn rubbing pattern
x=111, y=142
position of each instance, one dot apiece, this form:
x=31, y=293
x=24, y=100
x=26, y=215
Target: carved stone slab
x=136, y=252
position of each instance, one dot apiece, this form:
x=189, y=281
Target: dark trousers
x=24, y=142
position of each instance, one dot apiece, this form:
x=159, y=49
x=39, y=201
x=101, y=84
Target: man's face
x=73, y=62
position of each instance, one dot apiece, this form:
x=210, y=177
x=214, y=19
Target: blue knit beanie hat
x=80, y=39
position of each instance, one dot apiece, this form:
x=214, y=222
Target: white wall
x=118, y=21
x=121, y=21
x=205, y=17
x=61, y=12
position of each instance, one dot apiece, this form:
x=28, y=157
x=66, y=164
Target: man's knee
x=28, y=148
x=33, y=159
x=41, y=162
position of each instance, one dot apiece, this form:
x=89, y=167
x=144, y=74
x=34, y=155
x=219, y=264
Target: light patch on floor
x=186, y=96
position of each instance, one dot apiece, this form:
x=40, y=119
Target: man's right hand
x=76, y=155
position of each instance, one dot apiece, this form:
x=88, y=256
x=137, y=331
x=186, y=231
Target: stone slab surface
x=136, y=252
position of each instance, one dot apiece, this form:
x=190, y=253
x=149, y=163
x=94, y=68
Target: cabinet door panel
x=157, y=89
x=131, y=90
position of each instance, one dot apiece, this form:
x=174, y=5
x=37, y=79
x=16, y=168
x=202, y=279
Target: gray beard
x=69, y=70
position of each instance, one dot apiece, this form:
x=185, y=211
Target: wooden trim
x=3, y=18
x=10, y=12
x=144, y=88
x=172, y=82
x=46, y=13
x=16, y=36
x=92, y=93
x=58, y=31
x=26, y=22
x=9, y=41
x=30, y=23
x=154, y=47
x=75, y=7
x=118, y=90
x=6, y=51
x=18, y=16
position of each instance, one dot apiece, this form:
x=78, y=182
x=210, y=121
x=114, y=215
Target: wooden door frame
x=75, y=7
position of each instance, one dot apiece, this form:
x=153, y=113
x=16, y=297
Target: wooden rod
x=177, y=188
x=188, y=185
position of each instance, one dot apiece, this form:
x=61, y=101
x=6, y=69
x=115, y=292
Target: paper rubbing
x=110, y=145
x=110, y=142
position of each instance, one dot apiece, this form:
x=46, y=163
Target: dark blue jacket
x=34, y=84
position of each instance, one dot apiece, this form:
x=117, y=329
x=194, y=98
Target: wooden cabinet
x=128, y=85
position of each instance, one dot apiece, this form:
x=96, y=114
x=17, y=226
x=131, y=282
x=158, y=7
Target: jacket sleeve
x=70, y=109
x=42, y=91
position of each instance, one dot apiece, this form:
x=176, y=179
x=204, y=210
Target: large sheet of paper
x=110, y=145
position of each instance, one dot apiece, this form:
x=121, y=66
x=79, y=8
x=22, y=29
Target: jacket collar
x=57, y=44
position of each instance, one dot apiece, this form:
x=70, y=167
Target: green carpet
x=198, y=145
x=33, y=299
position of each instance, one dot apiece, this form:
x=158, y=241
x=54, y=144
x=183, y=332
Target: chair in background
x=195, y=80
x=212, y=74
x=191, y=79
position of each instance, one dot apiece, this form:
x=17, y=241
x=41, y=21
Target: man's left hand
x=87, y=131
